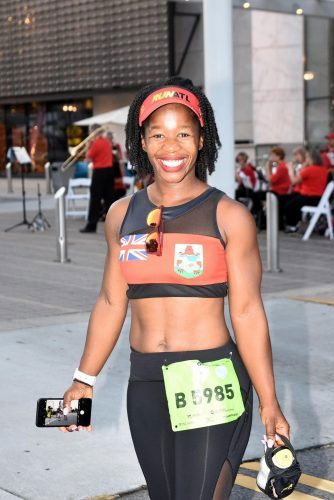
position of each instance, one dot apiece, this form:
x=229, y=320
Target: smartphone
x=50, y=412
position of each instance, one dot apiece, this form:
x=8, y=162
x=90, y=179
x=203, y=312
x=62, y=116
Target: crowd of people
x=301, y=181
x=296, y=183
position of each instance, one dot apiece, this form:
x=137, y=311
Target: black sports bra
x=192, y=263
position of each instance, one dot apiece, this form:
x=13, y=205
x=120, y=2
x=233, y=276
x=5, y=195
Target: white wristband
x=83, y=377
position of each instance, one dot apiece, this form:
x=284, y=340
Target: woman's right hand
x=76, y=391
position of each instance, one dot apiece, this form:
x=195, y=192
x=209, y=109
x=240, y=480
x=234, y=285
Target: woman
x=277, y=172
x=173, y=266
x=249, y=187
x=311, y=181
x=301, y=159
x=278, y=176
x=246, y=172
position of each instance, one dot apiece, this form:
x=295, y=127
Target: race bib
x=202, y=394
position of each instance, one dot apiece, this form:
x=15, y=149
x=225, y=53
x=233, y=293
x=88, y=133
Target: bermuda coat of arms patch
x=188, y=260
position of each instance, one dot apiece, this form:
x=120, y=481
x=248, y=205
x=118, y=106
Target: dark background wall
x=54, y=46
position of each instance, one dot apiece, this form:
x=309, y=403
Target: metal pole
x=272, y=233
x=61, y=226
x=218, y=70
x=90, y=170
x=9, y=177
x=47, y=177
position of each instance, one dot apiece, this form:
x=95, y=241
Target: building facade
x=60, y=60
x=272, y=51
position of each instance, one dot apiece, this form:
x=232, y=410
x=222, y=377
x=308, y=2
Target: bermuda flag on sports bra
x=133, y=247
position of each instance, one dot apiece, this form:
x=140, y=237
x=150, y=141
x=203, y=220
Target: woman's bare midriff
x=177, y=324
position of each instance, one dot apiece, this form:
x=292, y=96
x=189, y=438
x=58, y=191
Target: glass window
x=59, y=126
x=46, y=130
x=38, y=143
x=319, y=90
x=3, y=139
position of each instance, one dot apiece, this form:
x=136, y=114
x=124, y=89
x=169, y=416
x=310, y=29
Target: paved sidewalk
x=12, y=202
x=317, y=463
x=44, y=308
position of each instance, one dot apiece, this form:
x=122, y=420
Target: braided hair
x=207, y=156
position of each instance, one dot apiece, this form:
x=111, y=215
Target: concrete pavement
x=316, y=463
x=44, y=308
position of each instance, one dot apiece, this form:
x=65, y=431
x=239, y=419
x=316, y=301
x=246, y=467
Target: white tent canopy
x=116, y=119
x=118, y=116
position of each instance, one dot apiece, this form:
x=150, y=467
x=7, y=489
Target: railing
x=9, y=178
x=61, y=226
x=272, y=233
x=47, y=178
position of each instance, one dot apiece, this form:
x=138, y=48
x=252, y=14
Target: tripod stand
x=40, y=222
x=24, y=222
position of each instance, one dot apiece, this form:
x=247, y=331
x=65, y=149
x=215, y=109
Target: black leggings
x=196, y=464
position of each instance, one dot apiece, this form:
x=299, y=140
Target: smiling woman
x=200, y=117
x=175, y=249
x=172, y=145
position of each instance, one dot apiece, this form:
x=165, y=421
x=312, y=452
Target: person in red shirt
x=312, y=182
x=279, y=180
x=246, y=172
x=247, y=178
x=119, y=186
x=277, y=172
x=102, y=186
x=301, y=159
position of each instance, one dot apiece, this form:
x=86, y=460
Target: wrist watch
x=84, y=378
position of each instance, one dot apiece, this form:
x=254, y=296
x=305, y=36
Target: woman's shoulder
x=233, y=218
x=232, y=208
x=120, y=206
x=116, y=214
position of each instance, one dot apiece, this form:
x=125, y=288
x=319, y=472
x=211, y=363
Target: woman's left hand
x=274, y=421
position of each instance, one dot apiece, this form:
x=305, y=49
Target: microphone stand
x=24, y=222
x=40, y=222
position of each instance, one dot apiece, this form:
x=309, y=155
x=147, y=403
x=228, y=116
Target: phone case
x=49, y=413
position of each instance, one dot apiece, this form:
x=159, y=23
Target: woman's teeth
x=172, y=163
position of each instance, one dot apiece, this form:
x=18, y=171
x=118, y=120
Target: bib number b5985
x=202, y=394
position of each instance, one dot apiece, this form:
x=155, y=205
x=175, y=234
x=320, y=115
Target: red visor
x=330, y=135
x=169, y=95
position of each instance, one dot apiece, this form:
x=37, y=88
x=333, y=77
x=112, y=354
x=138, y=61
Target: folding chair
x=77, y=198
x=323, y=208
